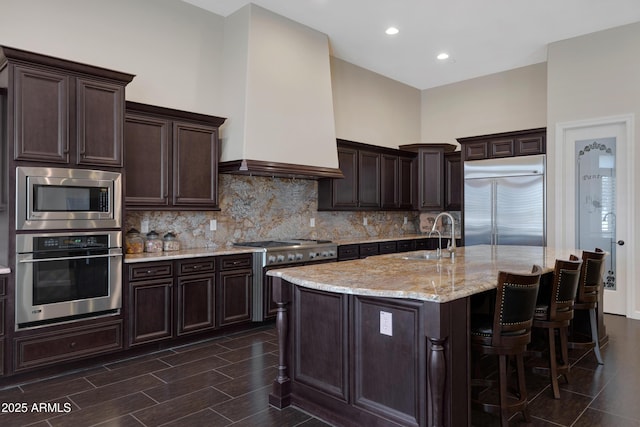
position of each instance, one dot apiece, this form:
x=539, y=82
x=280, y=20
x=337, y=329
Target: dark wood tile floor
x=598, y=395
x=226, y=382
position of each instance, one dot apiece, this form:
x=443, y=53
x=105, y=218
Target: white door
x=597, y=172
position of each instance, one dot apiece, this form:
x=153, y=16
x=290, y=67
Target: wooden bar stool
x=590, y=285
x=555, y=314
x=506, y=333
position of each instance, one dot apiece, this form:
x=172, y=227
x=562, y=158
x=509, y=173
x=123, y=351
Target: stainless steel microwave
x=59, y=198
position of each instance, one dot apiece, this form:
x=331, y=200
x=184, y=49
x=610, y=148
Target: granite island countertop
x=472, y=270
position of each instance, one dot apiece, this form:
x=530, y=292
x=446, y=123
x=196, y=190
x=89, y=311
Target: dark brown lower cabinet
x=168, y=299
x=195, y=303
x=388, y=247
x=233, y=289
x=406, y=245
x=156, y=298
x=68, y=344
x=195, y=286
x=348, y=252
x=150, y=308
x=369, y=249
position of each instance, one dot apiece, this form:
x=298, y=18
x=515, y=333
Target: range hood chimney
x=277, y=89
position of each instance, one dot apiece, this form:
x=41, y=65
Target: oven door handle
x=66, y=258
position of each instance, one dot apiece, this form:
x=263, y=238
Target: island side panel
x=389, y=359
x=379, y=361
x=320, y=341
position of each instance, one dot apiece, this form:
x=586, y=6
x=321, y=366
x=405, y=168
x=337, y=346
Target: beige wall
x=373, y=109
x=175, y=51
x=592, y=77
x=171, y=46
x=502, y=102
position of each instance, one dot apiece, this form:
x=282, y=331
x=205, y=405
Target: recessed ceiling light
x=392, y=30
x=442, y=56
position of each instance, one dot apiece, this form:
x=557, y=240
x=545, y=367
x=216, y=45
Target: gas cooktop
x=294, y=251
x=284, y=243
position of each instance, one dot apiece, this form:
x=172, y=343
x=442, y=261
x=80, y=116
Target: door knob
x=621, y=242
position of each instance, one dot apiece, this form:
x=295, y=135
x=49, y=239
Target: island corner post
x=280, y=397
x=433, y=392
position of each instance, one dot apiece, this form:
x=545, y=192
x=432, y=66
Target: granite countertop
x=4, y=270
x=230, y=250
x=472, y=270
x=358, y=240
x=187, y=253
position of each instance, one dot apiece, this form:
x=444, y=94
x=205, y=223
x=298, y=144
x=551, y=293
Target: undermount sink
x=423, y=255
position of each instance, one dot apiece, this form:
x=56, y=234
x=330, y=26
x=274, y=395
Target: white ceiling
x=482, y=36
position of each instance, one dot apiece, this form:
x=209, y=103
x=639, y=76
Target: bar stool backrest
x=591, y=276
x=564, y=289
x=515, y=305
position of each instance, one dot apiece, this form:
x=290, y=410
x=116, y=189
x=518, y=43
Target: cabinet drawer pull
x=72, y=344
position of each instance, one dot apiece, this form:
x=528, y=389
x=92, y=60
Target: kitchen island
x=385, y=340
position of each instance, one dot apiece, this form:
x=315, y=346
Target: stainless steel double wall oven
x=68, y=246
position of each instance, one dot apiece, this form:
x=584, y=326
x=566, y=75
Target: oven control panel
x=71, y=242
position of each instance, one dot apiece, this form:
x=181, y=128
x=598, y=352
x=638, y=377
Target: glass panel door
x=596, y=201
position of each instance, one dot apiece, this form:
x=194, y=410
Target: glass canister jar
x=170, y=242
x=134, y=243
x=153, y=243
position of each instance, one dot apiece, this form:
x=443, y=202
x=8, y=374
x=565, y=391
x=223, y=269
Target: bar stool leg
x=594, y=335
x=553, y=363
x=502, y=374
x=564, y=350
x=521, y=386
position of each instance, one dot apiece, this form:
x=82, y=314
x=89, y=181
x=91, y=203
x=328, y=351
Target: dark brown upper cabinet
x=375, y=178
x=453, y=181
x=390, y=167
x=431, y=174
x=64, y=112
x=171, y=158
x=398, y=180
x=368, y=179
x=506, y=144
x=343, y=193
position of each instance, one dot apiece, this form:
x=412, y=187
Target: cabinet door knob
x=621, y=242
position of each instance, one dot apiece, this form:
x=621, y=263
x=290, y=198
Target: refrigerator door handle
x=494, y=209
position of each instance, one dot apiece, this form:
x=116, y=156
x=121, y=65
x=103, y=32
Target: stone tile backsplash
x=260, y=208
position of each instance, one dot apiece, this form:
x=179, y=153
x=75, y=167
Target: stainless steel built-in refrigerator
x=504, y=201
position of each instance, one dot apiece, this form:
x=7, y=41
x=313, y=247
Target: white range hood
x=277, y=88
